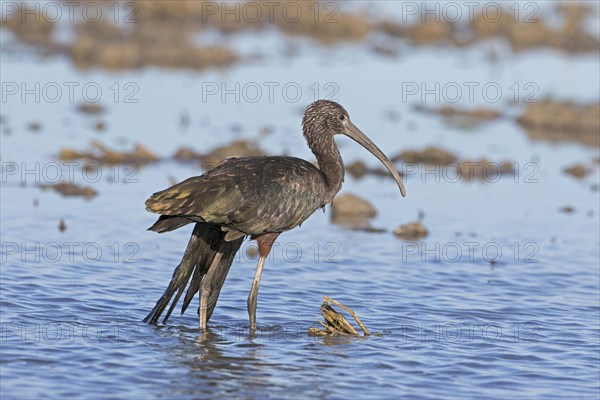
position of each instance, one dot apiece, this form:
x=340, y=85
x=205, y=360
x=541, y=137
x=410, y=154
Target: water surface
x=499, y=301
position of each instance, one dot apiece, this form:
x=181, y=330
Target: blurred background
x=483, y=282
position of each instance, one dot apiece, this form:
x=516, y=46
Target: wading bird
x=258, y=197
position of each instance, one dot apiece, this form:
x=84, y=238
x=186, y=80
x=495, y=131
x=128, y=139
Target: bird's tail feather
x=166, y=223
x=204, y=244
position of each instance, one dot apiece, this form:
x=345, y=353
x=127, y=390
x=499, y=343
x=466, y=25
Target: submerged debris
x=411, y=231
x=485, y=114
x=359, y=169
x=238, y=148
x=352, y=205
x=484, y=170
x=165, y=34
x=423, y=32
x=384, y=49
x=32, y=27
x=185, y=154
x=335, y=323
x=562, y=121
x=467, y=170
x=163, y=42
x=71, y=189
x=578, y=171
x=328, y=29
x=103, y=155
x=34, y=127
x=100, y=126
x=523, y=33
x=157, y=37
x=430, y=156
x=352, y=211
x=90, y=108
x=371, y=229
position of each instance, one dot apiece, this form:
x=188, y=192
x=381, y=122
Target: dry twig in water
x=336, y=323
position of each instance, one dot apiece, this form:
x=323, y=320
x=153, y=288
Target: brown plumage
x=258, y=197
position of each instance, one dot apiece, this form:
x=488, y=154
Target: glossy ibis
x=258, y=197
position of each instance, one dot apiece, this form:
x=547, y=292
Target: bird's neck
x=332, y=166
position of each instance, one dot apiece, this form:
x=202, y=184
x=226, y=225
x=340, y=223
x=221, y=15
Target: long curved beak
x=356, y=134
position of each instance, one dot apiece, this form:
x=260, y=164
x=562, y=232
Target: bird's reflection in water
x=231, y=361
x=225, y=360
x=337, y=340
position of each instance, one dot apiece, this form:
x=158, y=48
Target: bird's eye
x=342, y=117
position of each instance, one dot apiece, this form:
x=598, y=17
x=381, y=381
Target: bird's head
x=325, y=118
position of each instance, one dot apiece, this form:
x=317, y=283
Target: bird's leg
x=253, y=296
x=206, y=290
x=265, y=242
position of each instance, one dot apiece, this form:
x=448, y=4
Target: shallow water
x=447, y=323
